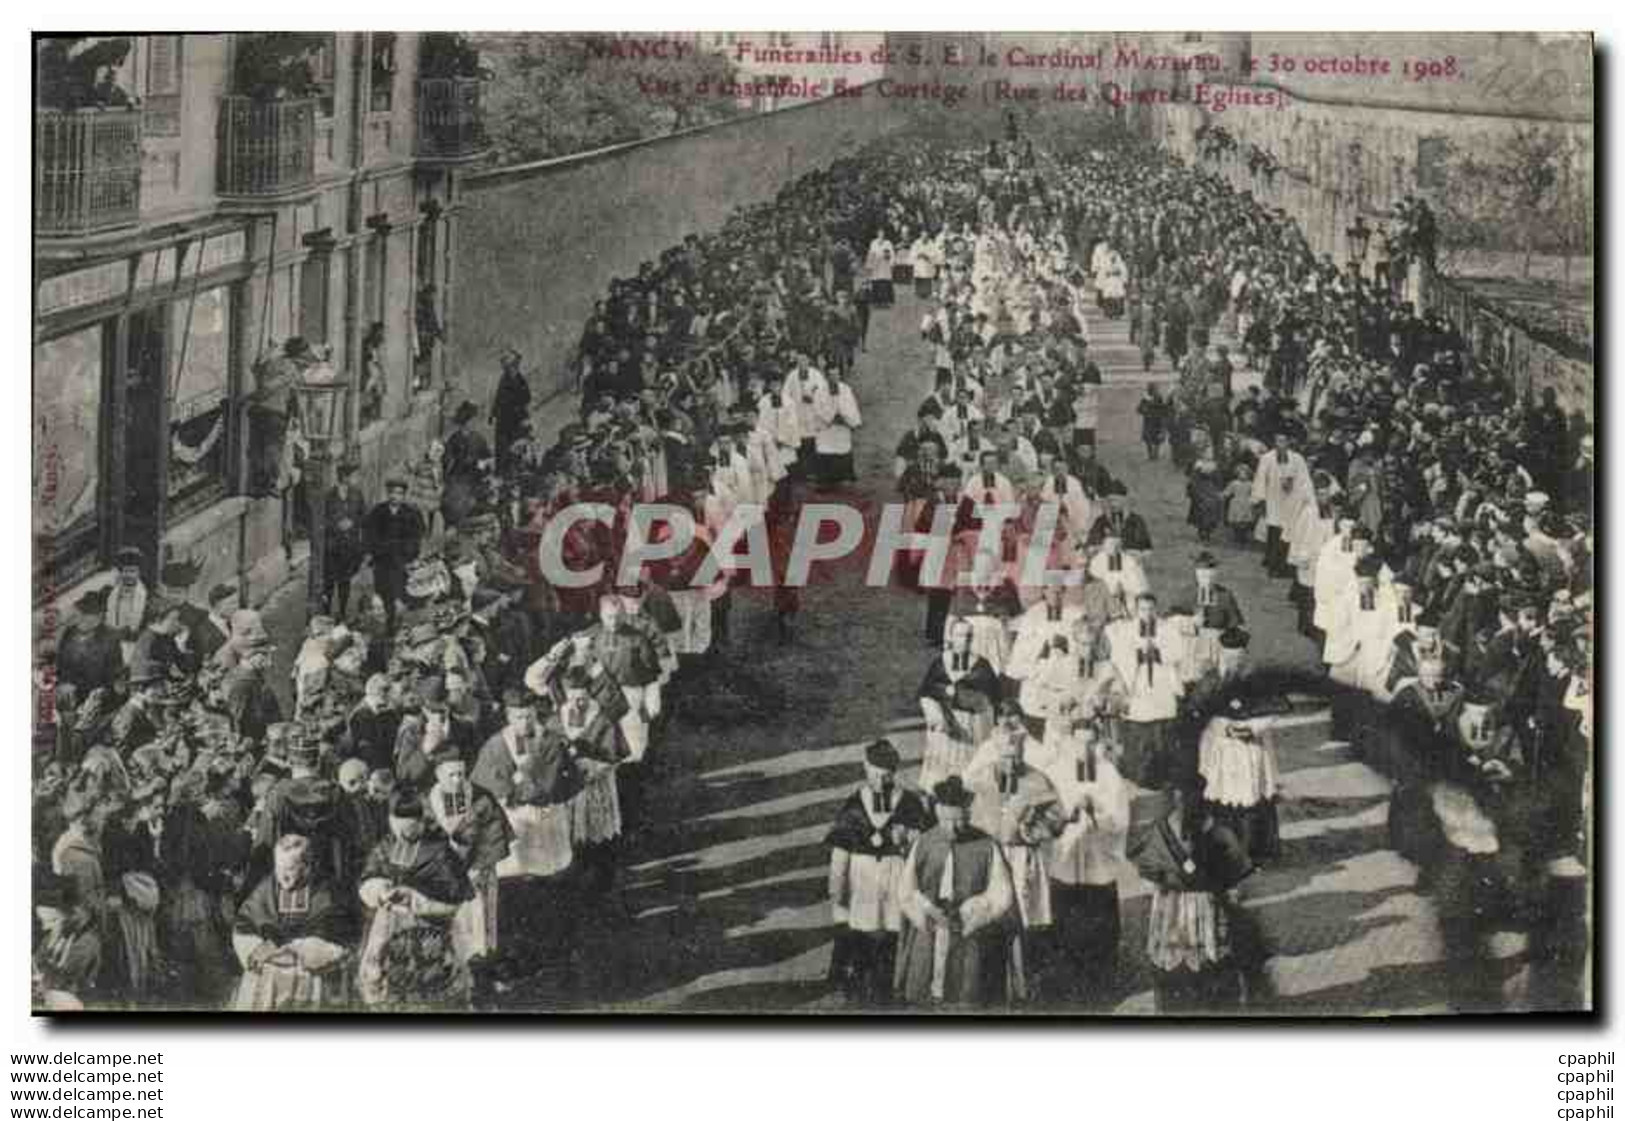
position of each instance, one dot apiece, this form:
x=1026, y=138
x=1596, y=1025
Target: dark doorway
x=146, y=362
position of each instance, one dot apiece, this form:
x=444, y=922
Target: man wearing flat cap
x=140, y=718
x=345, y=512
x=251, y=702
x=958, y=939
x=127, y=599
x=869, y=843
x=394, y=536
x=212, y=629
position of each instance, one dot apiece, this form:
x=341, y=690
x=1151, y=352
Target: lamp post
x=1359, y=239
x=320, y=394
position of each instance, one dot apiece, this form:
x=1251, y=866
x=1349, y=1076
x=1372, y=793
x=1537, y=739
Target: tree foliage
x=81, y=71
x=1530, y=192
x=277, y=64
x=557, y=94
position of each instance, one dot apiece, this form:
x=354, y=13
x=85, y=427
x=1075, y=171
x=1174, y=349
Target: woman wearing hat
x=464, y=465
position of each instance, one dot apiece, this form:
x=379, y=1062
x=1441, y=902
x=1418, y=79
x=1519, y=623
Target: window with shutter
x=1431, y=153
x=326, y=68
x=163, y=85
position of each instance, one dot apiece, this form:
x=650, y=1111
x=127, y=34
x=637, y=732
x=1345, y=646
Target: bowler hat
x=951, y=791
x=180, y=575
x=883, y=755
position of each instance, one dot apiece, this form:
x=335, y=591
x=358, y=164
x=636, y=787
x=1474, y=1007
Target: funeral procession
x=843, y=523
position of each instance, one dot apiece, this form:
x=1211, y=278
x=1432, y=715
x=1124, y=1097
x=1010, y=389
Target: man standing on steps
x=1281, y=486
x=394, y=535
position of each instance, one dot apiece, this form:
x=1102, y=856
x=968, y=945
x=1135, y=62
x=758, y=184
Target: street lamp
x=1359, y=240
x=320, y=394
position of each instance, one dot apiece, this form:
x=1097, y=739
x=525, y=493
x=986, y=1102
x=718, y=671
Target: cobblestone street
x=726, y=889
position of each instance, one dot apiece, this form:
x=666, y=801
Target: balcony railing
x=450, y=124
x=267, y=148
x=87, y=166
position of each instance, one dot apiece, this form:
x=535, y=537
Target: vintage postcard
x=1050, y=523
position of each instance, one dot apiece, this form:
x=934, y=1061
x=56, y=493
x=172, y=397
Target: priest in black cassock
x=1212, y=608
x=413, y=885
x=869, y=842
x=292, y=936
x=1127, y=525
x=957, y=946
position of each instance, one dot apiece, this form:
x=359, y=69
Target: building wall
x=235, y=536
x=1353, y=147
x=538, y=244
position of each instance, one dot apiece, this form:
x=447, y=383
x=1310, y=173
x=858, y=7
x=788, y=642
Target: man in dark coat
x=346, y=510
x=250, y=701
x=1121, y=522
x=510, y=407
x=374, y=726
x=308, y=805
x=211, y=629
x=394, y=536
